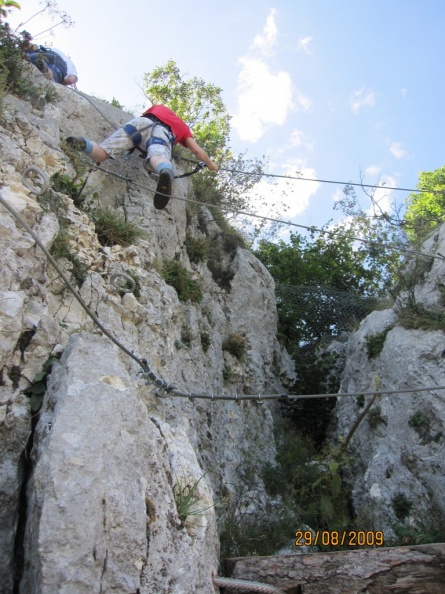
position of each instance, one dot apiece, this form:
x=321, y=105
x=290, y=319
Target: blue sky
x=333, y=90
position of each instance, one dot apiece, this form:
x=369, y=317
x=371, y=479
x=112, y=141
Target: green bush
x=61, y=249
x=179, y=277
x=425, y=527
x=15, y=70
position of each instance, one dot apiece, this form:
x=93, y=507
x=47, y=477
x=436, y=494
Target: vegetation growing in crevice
x=36, y=391
x=375, y=343
x=374, y=417
x=401, y=506
x=112, y=227
x=176, y=275
x=52, y=201
x=419, y=318
x=197, y=248
x=416, y=527
x=206, y=341
x=188, y=499
x=245, y=527
x=236, y=345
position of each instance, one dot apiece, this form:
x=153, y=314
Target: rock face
x=91, y=486
x=398, y=471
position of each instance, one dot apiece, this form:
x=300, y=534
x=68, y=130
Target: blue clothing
x=53, y=60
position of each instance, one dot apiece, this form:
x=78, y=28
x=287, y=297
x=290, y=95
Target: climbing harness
x=134, y=133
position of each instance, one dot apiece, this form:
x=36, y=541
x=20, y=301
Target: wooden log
x=398, y=570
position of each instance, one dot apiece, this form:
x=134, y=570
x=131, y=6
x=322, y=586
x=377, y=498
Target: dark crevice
x=25, y=469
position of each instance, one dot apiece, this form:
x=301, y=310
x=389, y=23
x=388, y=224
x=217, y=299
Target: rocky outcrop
x=398, y=468
x=91, y=486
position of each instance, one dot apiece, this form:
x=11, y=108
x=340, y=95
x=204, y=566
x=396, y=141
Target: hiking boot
x=77, y=143
x=163, y=189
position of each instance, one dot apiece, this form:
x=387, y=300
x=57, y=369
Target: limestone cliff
x=90, y=485
x=398, y=471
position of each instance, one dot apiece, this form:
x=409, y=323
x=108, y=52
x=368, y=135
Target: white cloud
x=296, y=138
x=362, y=98
x=291, y=196
x=303, y=44
x=266, y=40
x=264, y=98
x=265, y=95
x=397, y=150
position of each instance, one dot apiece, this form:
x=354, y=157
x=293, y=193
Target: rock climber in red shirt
x=154, y=132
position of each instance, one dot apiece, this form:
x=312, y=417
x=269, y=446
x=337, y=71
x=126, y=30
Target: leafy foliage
x=198, y=103
x=12, y=63
x=426, y=209
x=312, y=481
x=327, y=262
x=7, y=4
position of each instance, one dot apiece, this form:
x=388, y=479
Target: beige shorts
x=120, y=142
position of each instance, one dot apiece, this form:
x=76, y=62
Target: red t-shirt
x=177, y=125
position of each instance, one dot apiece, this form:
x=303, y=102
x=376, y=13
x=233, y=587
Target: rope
x=324, y=181
x=273, y=220
x=260, y=397
x=245, y=586
x=160, y=383
x=199, y=166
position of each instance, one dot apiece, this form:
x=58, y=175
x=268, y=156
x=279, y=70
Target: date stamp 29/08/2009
x=334, y=538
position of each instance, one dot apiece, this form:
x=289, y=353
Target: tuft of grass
x=61, y=249
x=419, y=318
x=113, y=229
x=236, y=345
x=197, y=248
x=176, y=275
x=187, y=499
x=375, y=343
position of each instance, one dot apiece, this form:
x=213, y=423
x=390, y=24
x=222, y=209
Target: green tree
x=326, y=267
x=325, y=283
x=198, y=103
x=426, y=209
x=6, y=5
